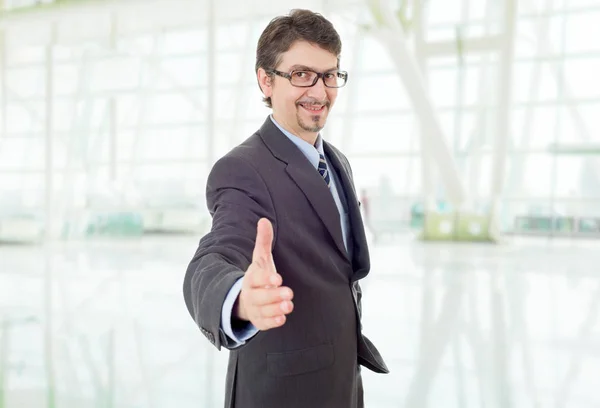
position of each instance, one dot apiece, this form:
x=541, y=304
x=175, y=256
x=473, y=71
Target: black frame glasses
x=318, y=75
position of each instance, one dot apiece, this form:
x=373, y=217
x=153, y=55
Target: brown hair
x=283, y=31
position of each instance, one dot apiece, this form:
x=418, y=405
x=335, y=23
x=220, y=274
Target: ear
x=265, y=82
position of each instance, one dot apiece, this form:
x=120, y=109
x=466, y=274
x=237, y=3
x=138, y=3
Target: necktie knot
x=323, y=171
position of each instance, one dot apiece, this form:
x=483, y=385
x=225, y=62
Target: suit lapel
x=361, y=251
x=307, y=178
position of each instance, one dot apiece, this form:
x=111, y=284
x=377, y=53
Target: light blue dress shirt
x=311, y=152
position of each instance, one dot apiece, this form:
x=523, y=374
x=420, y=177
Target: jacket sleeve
x=237, y=197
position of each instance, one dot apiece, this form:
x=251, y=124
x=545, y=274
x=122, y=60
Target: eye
x=300, y=74
x=330, y=75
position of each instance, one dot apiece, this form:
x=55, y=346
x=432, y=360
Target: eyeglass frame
x=320, y=75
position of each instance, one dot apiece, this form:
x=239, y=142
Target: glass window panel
x=473, y=85
x=21, y=153
x=401, y=174
x=579, y=123
x=540, y=36
x=440, y=62
x=235, y=102
x=476, y=9
x=60, y=154
x=115, y=73
x=171, y=108
x=236, y=35
x=341, y=103
x=444, y=11
x=469, y=132
x=578, y=4
x=25, y=117
x=254, y=107
x=178, y=72
x=79, y=51
x=374, y=57
x=334, y=131
x=441, y=33
x=446, y=120
x=228, y=134
x=532, y=175
x=536, y=6
x=76, y=27
x=143, y=44
x=442, y=87
x=132, y=109
x=590, y=178
x=27, y=35
x=189, y=144
x=196, y=142
x=583, y=32
x=582, y=77
x=184, y=41
x=67, y=79
x=176, y=173
x=534, y=127
x=381, y=134
x=25, y=54
x=480, y=172
x=230, y=70
x=374, y=93
x=26, y=82
x=126, y=147
x=534, y=81
x=570, y=177
x=167, y=143
x=30, y=184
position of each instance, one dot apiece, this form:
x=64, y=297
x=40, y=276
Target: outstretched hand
x=262, y=300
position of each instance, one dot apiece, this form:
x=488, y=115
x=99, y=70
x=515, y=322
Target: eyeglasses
x=306, y=78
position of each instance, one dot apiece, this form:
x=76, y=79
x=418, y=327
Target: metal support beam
x=391, y=35
x=426, y=159
x=49, y=143
x=211, y=156
x=3, y=84
x=433, y=346
x=4, y=361
x=351, y=95
x=211, y=74
x=48, y=337
x=504, y=116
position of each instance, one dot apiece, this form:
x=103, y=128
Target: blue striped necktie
x=323, y=169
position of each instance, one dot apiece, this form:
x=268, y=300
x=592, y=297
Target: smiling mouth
x=312, y=108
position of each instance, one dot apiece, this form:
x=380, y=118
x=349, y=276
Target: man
x=276, y=279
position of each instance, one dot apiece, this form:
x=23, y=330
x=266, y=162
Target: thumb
x=262, y=245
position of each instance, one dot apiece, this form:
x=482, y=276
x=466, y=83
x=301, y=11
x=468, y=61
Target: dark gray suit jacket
x=313, y=360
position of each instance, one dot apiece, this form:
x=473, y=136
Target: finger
x=259, y=277
x=262, y=245
x=261, y=296
x=274, y=310
x=271, y=323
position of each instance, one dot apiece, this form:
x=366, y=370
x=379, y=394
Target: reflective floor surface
x=103, y=324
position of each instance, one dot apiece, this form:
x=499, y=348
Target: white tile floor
x=460, y=325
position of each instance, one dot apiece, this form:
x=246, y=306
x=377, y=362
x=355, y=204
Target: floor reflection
x=460, y=325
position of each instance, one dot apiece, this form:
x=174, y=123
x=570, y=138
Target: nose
x=318, y=90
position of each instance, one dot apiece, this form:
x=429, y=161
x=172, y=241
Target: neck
x=308, y=137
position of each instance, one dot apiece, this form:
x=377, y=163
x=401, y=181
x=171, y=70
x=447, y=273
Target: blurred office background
x=472, y=128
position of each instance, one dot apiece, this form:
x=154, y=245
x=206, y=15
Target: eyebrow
x=298, y=67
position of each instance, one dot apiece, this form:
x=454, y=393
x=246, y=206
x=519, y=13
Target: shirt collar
x=311, y=152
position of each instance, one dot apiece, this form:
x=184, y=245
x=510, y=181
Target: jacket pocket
x=303, y=361
x=369, y=356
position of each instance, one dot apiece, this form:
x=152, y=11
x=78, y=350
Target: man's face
x=302, y=111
